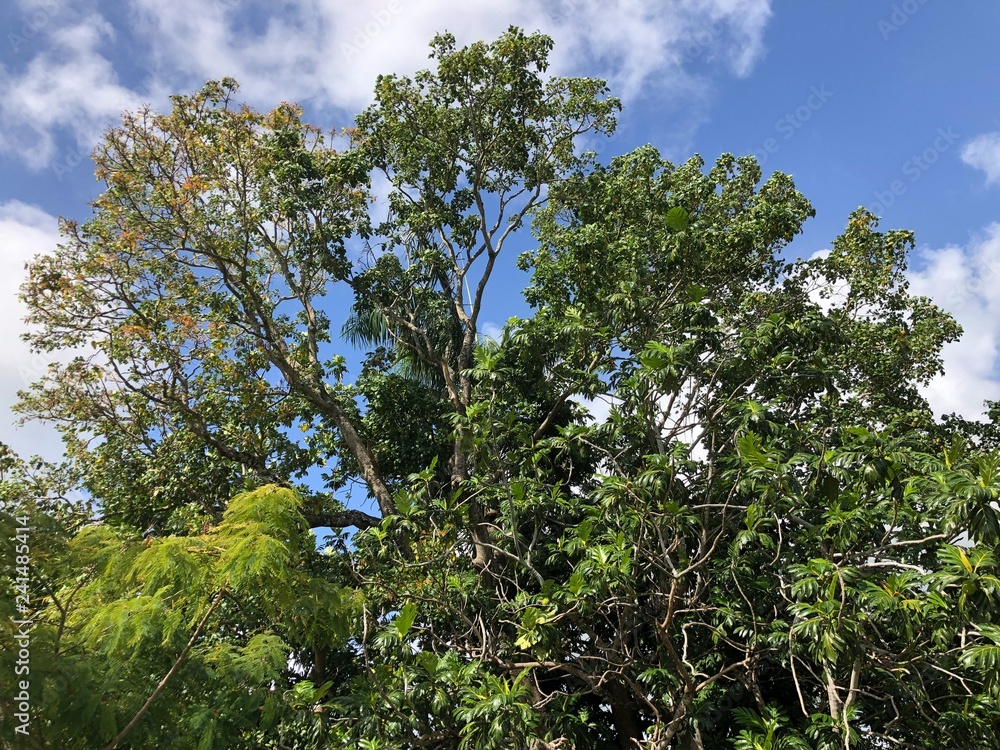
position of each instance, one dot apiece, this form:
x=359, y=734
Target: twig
x=163, y=683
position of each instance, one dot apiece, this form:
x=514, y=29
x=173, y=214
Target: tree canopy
x=768, y=543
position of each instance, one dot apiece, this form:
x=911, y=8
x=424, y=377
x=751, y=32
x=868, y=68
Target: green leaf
x=677, y=219
x=404, y=620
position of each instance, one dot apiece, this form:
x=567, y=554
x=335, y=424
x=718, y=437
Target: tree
x=769, y=543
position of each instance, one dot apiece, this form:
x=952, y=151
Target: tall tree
x=770, y=542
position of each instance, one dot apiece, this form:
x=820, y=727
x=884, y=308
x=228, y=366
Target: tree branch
x=341, y=518
x=163, y=683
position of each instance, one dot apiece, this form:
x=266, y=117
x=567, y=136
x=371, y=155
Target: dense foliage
x=769, y=543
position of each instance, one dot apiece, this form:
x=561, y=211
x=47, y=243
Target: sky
x=889, y=105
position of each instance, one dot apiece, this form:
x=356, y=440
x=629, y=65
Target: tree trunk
x=625, y=715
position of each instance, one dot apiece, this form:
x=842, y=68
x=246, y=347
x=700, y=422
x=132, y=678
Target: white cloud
x=965, y=281
x=639, y=45
x=328, y=53
x=68, y=83
x=25, y=231
x=823, y=293
x=69, y=86
x=599, y=408
x=983, y=152
x=491, y=330
x=334, y=51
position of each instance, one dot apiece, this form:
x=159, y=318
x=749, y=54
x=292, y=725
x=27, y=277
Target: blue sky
x=890, y=105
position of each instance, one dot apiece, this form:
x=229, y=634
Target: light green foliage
x=769, y=544
x=112, y=630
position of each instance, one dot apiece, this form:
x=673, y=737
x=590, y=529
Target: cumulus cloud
x=333, y=51
x=983, y=152
x=328, y=53
x=78, y=73
x=965, y=281
x=824, y=294
x=25, y=231
x=68, y=87
x=491, y=330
